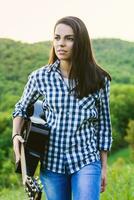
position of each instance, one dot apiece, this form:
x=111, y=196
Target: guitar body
x=36, y=135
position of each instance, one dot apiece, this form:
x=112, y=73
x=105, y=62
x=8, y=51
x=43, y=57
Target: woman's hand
x=16, y=146
x=103, y=178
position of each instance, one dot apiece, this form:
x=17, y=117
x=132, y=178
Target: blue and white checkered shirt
x=80, y=128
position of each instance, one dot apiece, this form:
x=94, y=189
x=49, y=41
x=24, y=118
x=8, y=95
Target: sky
x=33, y=20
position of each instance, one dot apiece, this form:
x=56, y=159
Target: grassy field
x=15, y=194
x=120, y=181
x=124, y=153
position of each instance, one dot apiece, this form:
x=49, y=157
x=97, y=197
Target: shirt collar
x=54, y=66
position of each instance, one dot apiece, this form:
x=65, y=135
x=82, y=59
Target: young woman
x=76, y=105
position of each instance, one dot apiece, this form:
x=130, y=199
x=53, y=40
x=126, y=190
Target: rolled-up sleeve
x=29, y=96
x=104, y=122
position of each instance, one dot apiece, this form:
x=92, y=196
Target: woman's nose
x=61, y=42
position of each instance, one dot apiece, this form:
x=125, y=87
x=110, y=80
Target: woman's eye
x=56, y=38
x=71, y=39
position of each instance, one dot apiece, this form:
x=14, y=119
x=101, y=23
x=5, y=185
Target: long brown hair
x=88, y=75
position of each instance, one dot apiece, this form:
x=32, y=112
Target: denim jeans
x=82, y=185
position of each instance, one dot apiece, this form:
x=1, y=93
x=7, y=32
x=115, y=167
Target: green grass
x=120, y=184
x=123, y=153
x=15, y=194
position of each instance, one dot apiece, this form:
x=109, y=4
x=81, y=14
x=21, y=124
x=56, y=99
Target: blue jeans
x=84, y=184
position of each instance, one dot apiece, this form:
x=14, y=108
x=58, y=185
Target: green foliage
x=5, y=131
x=122, y=153
x=121, y=103
x=130, y=137
x=14, y=193
x=130, y=133
x=120, y=182
x=117, y=57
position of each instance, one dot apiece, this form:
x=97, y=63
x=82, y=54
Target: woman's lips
x=61, y=51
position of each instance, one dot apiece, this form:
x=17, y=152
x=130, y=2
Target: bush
x=121, y=104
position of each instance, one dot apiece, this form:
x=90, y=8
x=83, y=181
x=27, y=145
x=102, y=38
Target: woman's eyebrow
x=65, y=35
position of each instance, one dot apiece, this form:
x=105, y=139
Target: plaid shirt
x=80, y=128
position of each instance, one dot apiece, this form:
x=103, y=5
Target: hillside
x=114, y=55
x=117, y=56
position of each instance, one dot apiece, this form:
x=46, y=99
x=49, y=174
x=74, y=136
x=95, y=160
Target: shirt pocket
x=86, y=102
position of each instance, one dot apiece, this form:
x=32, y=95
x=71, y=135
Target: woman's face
x=63, y=42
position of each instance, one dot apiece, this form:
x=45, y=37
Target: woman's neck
x=65, y=67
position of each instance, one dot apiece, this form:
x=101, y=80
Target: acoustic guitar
x=36, y=135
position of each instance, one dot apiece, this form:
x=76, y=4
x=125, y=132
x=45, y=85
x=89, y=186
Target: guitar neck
x=23, y=164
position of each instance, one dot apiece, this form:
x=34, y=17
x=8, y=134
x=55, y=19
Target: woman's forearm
x=18, y=123
x=103, y=155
